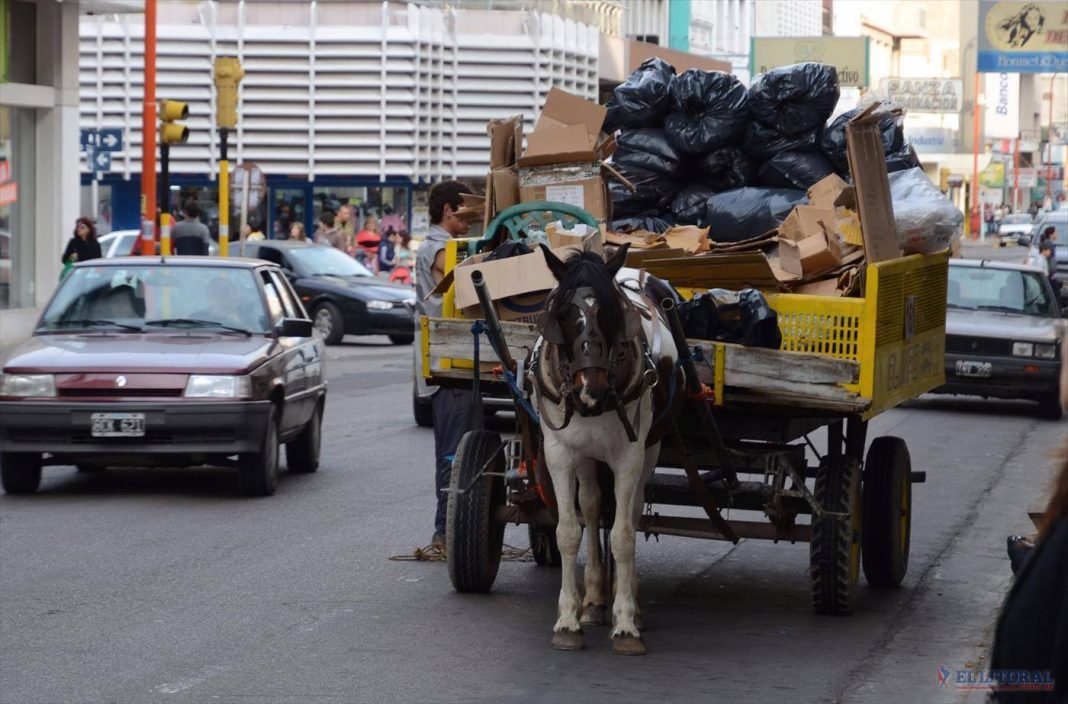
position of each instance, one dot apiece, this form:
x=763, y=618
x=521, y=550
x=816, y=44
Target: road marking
x=190, y=682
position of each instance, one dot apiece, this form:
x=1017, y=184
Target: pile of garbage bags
x=701, y=149
x=742, y=317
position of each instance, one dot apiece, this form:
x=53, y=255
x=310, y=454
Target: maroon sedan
x=179, y=362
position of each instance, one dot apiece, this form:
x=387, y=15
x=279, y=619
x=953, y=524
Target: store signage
x=849, y=55
x=940, y=95
x=993, y=176
x=933, y=140
x=1026, y=177
x=1023, y=36
x=1002, y=118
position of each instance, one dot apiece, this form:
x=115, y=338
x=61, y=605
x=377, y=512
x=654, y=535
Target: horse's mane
x=588, y=270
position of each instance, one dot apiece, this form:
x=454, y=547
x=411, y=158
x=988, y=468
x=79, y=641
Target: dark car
x=138, y=361
x=344, y=297
x=1003, y=334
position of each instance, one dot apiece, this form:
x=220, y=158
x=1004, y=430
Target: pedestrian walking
x=452, y=407
x=347, y=225
x=297, y=233
x=83, y=244
x=328, y=233
x=190, y=235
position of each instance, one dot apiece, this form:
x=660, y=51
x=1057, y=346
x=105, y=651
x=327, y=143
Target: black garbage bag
x=726, y=168
x=641, y=100
x=509, y=248
x=795, y=98
x=708, y=111
x=647, y=150
x=833, y=141
x=655, y=222
x=726, y=316
x=762, y=143
x=904, y=158
x=689, y=206
x=794, y=170
x=654, y=193
x=743, y=213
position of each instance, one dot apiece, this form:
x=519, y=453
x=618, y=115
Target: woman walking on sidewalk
x=83, y=244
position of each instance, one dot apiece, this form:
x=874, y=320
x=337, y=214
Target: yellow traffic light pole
x=170, y=132
x=227, y=74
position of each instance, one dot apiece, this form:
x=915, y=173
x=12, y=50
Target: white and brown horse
x=603, y=351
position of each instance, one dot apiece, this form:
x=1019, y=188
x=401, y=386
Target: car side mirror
x=294, y=327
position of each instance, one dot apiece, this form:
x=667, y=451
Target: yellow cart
x=842, y=362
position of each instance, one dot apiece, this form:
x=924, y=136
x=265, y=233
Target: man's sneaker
x=438, y=539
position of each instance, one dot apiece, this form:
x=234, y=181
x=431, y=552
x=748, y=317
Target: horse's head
x=592, y=322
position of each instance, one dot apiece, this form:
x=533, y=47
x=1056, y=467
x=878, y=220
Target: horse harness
x=632, y=355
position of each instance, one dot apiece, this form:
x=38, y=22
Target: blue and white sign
x=97, y=161
x=108, y=139
x=1023, y=36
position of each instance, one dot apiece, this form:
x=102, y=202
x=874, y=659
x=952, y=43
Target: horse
x=602, y=352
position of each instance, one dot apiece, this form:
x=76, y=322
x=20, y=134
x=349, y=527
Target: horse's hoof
x=567, y=640
x=628, y=645
x=593, y=615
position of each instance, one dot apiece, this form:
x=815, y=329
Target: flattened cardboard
x=831, y=191
x=811, y=255
x=867, y=163
x=733, y=271
x=689, y=238
x=505, y=278
x=805, y=221
x=502, y=191
x=506, y=141
x=562, y=108
x=566, y=131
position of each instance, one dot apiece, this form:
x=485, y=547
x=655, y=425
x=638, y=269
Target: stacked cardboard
x=502, y=181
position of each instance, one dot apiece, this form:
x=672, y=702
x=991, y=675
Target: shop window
x=17, y=153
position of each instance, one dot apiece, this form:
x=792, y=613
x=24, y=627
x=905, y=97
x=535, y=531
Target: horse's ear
x=556, y=266
x=616, y=261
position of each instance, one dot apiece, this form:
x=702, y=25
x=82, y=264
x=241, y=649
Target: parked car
x=1060, y=252
x=1014, y=226
x=1003, y=334
x=120, y=244
x=344, y=297
x=1057, y=218
x=140, y=362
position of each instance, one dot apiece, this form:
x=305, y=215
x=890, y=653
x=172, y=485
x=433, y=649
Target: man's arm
x=438, y=269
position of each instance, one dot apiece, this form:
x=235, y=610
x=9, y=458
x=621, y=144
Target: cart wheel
x=887, y=511
x=834, y=553
x=543, y=545
x=473, y=541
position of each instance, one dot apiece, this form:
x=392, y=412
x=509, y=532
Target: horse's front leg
x=629, y=474
x=589, y=493
x=567, y=633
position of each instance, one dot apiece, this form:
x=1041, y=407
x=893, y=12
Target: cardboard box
x=833, y=192
x=567, y=131
x=805, y=221
x=811, y=255
x=579, y=184
x=580, y=237
x=506, y=141
x=867, y=164
x=502, y=191
x=518, y=285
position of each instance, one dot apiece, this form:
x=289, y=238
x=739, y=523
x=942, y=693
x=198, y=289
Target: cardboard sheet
x=867, y=164
x=811, y=255
x=689, y=238
x=566, y=131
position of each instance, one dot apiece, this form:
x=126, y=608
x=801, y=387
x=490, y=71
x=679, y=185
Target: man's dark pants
x=452, y=418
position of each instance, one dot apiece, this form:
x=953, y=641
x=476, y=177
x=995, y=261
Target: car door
x=289, y=361
x=309, y=350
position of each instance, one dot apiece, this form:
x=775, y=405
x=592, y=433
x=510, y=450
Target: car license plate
x=118, y=425
x=980, y=370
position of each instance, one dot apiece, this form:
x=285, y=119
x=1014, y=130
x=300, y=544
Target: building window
x=17, y=155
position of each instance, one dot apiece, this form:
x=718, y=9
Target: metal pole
x=1049, y=144
x=165, y=199
x=1016, y=176
x=246, y=177
x=148, y=136
x=95, y=195
x=224, y=196
x=977, y=215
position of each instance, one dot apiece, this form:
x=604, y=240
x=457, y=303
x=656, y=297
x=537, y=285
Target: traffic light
x=171, y=132
x=228, y=73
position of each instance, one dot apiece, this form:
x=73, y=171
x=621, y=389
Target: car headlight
x=217, y=386
x=1046, y=351
x=28, y=385
x=380, y=305
x=1023, y=349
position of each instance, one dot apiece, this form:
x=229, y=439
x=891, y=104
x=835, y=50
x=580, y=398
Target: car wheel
x=423, y=410
x=328, y=322
x=302, y=454
x=258, y=471
x=20, y=472
x=402, y=339
x=1049, y=406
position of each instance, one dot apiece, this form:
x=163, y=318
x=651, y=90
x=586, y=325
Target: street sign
x=937, y=95
x=98, y=161
x=108, y=139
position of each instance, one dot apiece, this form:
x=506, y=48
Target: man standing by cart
x=452, y=407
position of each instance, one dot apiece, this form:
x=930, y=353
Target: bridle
x=629, y=355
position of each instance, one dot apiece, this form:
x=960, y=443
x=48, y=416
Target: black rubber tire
x=302, y=453
x=834, y=553
x=887, y=512
x=1049, y=406
x=543, y=545
x=423, y=410
x=89, y=468
x=20, y=472
x=258, y=471
x=328, y=321
x=473, y=541
x=402, y=339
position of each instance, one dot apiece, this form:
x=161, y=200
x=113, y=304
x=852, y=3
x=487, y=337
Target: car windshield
x=156, y=297
x=1017, y=219
x=1059, y=220
x=320, y=260
x=1007, y=290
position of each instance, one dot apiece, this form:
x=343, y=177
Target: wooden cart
x=842, y=362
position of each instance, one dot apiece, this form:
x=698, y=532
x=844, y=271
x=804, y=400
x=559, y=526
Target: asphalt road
x=167, y=586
